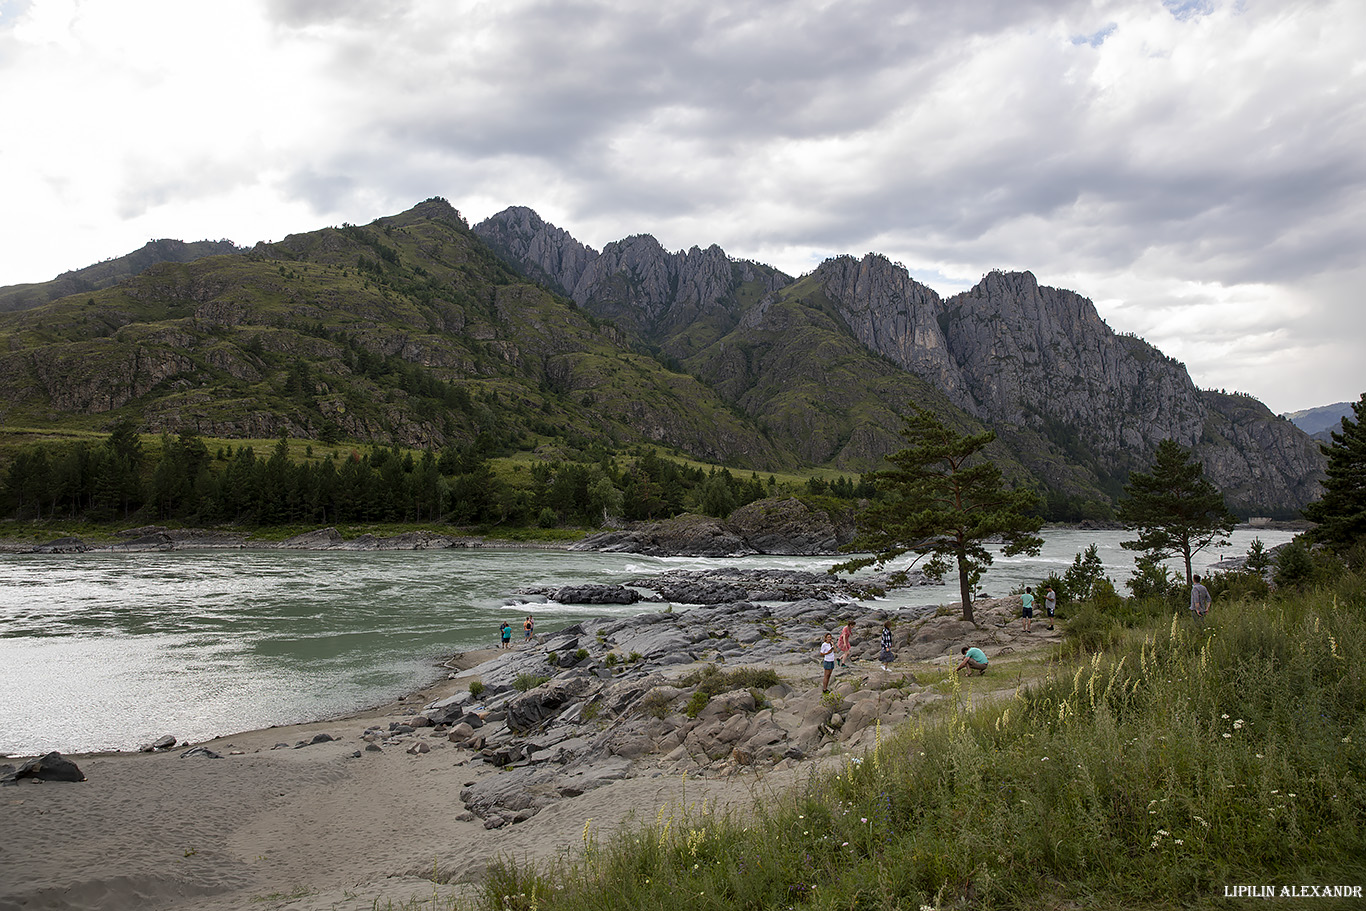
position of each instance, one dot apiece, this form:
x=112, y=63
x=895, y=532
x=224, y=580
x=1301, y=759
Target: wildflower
x=1347, y=739
x=1259, y=755
x=1044, y=759
x=1180, y=842
x=863, y=819
x=1237, y=725
x=1292, y=793
x=1227, y=735
x=1224, y=716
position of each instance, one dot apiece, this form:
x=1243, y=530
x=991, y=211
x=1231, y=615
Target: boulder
x=596, y=594
x=319, y=539
x=203, y=752
x=161, y=743
x=533, y=708
x=51, y=767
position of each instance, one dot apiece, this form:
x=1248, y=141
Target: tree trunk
x=965, y=589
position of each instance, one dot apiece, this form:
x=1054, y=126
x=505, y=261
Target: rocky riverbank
x=515, y=753
x=783, y=525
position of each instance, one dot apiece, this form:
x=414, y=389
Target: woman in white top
x=827, y=662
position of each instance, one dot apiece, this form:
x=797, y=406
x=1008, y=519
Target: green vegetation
x=1341, y=512
x=1176, y=511
x=942, y=498
x=125, y=479
x=525, y=682
x=712, y=681
x=1151, y=775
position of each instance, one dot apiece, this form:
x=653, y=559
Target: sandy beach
x=301, y=828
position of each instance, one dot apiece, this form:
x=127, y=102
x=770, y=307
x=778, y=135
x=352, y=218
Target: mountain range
x=422, y=330
x=1322, y=421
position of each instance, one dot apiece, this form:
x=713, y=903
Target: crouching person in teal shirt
x=974, y=659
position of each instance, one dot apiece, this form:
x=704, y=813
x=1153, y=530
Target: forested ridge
x=180, y=478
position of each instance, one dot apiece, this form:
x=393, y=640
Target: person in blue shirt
x=974, y=659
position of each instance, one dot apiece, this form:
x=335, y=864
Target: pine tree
x=941, y=498
x=1341, y=511
x=1176, y=511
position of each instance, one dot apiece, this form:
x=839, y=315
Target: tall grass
x=1186, y=759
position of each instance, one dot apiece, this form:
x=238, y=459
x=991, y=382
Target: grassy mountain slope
x=110, y=272
x=406, y=330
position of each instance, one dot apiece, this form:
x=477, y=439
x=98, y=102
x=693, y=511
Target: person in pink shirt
x=845, y=643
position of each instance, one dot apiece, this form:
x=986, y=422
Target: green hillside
x=405, y=331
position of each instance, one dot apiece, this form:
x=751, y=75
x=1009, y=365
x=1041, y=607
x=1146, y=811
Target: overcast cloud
x=1196, y=168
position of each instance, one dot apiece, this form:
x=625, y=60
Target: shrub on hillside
x=1083, y=575
x=1090, y=630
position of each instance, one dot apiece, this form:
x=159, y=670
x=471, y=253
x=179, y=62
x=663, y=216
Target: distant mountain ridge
x=421, y=330
x=1078, y=404
x=1319, y=422
x=111, y=271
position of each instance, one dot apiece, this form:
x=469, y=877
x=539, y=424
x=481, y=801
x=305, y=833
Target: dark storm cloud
x=1173, y=158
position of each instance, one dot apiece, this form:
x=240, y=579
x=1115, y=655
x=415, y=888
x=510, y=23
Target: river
x=106, y=651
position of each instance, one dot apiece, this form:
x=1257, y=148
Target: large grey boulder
x=596, y=594
x=532, y=709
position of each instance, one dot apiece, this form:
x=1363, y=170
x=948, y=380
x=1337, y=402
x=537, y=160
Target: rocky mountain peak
x=437, y=209
x=1035, y=362
x=896, y=316
x=549, y=253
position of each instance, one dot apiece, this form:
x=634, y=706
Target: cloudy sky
x=1195, y=167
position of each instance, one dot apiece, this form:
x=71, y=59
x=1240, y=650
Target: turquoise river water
x=107, y=651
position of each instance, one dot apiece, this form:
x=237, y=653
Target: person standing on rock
x=1050, y=602
x=827, y=662
x=506, y=631
x=886, y=655
x=529, y=627
x=974, y=659
x=846, y=643
x=1027, y=607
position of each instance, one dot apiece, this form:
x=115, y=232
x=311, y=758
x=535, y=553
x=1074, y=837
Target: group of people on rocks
x=842, y=647
x=836, y=652
x=528, y=629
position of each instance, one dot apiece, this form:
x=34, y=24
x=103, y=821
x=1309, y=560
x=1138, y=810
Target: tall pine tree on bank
x=1176, y=511
x=943, y=499
x=1341, y=511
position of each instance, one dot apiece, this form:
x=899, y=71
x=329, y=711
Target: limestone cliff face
x=678, y=301
x=1033, y=355
x=1261, y=458
x=896, y=316
x=1042, y=359
x=550, y=253
x=1034, y=362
